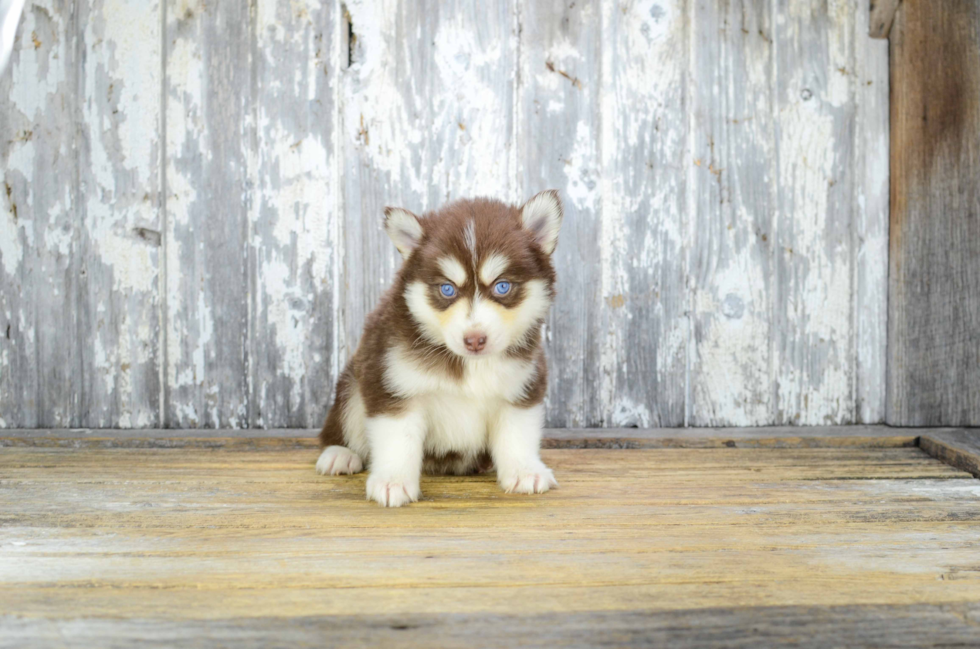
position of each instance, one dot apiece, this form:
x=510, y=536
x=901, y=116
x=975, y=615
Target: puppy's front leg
x=396, y=458
x=515, y=442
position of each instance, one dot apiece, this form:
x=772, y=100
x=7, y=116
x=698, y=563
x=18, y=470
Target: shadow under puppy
x=450, y=373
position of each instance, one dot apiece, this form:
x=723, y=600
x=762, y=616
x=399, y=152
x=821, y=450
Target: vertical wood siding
x=208, y=95
x=42, y=360
x=294, y=232
x=934, y=298
x=116, y=259
x=191, y=231
x=559, y=104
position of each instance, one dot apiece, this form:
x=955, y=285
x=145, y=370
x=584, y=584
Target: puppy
x=450, y=374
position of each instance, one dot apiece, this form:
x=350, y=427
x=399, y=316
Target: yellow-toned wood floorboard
x=189, y=535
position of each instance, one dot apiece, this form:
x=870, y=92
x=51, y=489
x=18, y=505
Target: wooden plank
x=507, y=571
x=208, y=99
x=807, y=627
x=934, y=271
x=958, y=448
x=119, y=239
x=881, y=14
x=771, y=437
x=426, y=120
x=734, y=189
x=175, y=538
x=644, y=107
x=294, y=213
x=40, y=355
x=812, y=368
x=559, y=98
x=870, y=229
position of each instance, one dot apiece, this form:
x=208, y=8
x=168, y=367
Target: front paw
x=391, y=492
x=527, y=480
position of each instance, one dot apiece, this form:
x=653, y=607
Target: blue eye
x=501, y=288
x=447, y=290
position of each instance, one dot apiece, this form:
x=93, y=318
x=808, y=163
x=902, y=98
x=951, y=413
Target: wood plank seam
x=772, y=437
x=163, y=418
x=958, y=448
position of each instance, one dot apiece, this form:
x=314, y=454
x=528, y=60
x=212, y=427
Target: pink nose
x=475, y=341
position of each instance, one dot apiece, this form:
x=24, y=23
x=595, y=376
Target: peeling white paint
x=31, y=66
x=580, y=169
x=641, y=66
x=11, y=249
x=133, y=36
x=289, y=325
x=818, y=309
x=16, y=232
x=302, y=199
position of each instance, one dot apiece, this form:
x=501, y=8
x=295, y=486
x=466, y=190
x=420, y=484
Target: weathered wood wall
x=190, y=230
x=934, y=305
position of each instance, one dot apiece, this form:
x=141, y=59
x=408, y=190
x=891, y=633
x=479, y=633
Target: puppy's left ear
x=404, y=229
x=542, y=218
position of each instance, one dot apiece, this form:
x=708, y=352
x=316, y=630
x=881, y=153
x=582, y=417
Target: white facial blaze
x=542, y=217
x=492, y=268
x=453, y=270
x=469, y=235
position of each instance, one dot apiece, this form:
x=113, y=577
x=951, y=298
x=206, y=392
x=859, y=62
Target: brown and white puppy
x=450, y=374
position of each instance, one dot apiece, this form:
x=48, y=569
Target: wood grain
x=124, y=541
x=208, y=94
x=41, y=360
x=644, y=331
x=294, y=217
x=934, y=304
x=119, y=215
x=813, y=362
x=734, y=176
x=869, y=235
x=916, y=625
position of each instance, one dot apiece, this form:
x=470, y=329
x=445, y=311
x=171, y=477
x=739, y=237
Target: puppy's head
x=478, y=276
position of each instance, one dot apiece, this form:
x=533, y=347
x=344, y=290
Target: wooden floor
x=243, y=545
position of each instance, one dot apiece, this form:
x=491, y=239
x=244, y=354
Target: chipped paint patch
x=580, y=169
x=815, y=265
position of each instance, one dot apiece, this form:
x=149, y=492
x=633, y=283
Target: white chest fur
x=458, y=412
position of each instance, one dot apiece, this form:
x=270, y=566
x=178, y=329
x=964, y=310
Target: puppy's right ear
x=404, y=229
